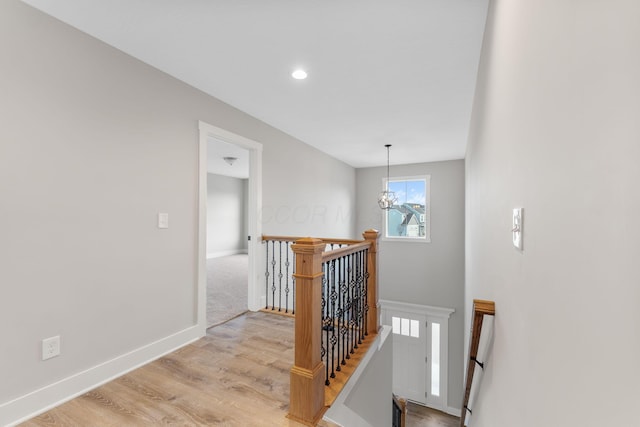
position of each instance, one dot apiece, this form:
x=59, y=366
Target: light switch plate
x=163, y=220
x=517, y=229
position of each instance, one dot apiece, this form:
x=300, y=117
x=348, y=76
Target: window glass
x=415, y=329
x=435, y=359
x=396, y=324
x=409, y=216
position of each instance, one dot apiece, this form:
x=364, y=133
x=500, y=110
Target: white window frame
x=427, y=211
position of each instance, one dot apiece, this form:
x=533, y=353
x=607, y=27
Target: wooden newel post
x=307, y=375
x=373, y=320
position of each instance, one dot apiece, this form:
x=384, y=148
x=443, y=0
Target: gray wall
x=555, y=130
x=425, y=273
x=309, y=194
x=365, y=402
x=226, y=215
x=93, y=144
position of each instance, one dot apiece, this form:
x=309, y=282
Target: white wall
x=226, y=215
x=425, y=273
x=366, y=399
x=93, y=144
x=555, y=130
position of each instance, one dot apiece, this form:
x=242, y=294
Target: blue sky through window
x=413, y=191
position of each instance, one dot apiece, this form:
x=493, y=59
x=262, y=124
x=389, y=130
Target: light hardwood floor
x=419, y=416
x=238, y=375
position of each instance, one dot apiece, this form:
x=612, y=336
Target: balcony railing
x=279, y=277
x=336, y=311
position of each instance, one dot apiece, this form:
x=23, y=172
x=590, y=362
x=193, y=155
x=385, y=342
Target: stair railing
x=279, y=277
x=336, y=308
x=479, y=342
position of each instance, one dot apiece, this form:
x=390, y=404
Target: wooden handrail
x=327, y=240
x=481, y=308
x=344, y=251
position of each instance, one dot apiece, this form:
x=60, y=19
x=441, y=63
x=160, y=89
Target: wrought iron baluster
x=362, y=301
x=359, y=289
x=332, y=326
x=286, y=289
x=293, y=286
x=345, y=311
x=340, y=313
x=325, y=308
x=359, y=292
x=280, y=276
x=366, y=291
x=266, y=275
x=273, y=276
x=354, y=303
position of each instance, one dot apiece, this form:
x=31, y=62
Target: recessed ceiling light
x=299, y=74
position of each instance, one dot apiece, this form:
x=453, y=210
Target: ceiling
x=398, y=72
x=216, y=152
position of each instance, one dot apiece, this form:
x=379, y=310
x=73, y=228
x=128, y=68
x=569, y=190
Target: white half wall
x=366, y=399
x=556, y=130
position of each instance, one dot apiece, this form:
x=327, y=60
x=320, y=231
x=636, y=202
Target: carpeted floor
x=227, y=279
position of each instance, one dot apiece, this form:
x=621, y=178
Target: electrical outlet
x=50, y=347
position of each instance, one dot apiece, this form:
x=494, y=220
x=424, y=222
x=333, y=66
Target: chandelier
x=387, y=198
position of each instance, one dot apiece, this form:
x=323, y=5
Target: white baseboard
x=28, y=406
x=226, y=253
x=453, y=411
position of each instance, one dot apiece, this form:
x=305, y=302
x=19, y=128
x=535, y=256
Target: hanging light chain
x=387, y=199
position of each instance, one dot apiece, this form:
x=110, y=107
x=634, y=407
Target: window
x=410, y=217
x=407, y=327
x=435, y=359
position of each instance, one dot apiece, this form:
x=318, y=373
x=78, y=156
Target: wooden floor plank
x=420, y=416
x=237, y=375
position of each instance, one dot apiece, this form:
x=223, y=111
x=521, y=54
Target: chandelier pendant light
x=387, y=199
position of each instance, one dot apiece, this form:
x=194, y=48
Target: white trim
x=432, y=314
x=220, y=254
x=255, y=204
x=452, y=411
x=407, y=307
x=39, y=401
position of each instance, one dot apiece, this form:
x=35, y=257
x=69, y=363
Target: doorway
x=217, y=143
x=420, y=352
x=227, y=231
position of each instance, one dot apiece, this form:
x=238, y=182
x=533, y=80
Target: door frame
x=254, y=221
x=432, y=314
